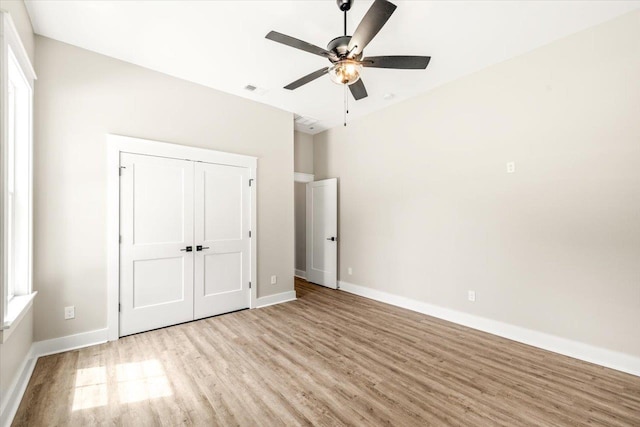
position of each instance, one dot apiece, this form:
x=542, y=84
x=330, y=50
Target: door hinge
x=249, y=233
x=119, y=308
x=250, y=182
x=119, y=239
x=249, y=285
x=120, y=170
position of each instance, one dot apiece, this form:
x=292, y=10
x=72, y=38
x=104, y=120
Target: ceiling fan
x=346, y=52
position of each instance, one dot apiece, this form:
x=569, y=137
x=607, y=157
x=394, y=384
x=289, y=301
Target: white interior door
x=322, y=232
x=223, y=246
x=156, y=227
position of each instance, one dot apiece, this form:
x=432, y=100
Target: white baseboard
x=600, y=356
x=11, y=401
x=276, y=299
x=301, y=274
x=70, y=342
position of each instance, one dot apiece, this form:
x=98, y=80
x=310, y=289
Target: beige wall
x=82, y=96
x=303, y=152
x=16, y=349
x=300, y=202
x=427, y=210
x=21, y=20
x=303, y=162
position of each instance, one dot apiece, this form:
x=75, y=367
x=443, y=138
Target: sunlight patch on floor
x=142, y=381
x=91, y=388
x=136, y=381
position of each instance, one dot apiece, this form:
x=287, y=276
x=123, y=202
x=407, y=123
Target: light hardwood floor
x=329, y=358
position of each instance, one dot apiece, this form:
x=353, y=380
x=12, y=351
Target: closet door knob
x=187, y=249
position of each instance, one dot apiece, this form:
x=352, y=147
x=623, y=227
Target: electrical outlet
x=69, y=312
x=471, y=296
x=511, y=167
x=350, y=270
x=274, y=280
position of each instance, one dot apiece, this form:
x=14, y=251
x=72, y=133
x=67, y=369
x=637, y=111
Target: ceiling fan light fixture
x=345, y=72
x=346, y=52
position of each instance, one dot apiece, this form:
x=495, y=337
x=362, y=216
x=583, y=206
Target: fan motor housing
x=340, y=45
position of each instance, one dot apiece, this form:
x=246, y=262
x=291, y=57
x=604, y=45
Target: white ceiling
x=221, y=44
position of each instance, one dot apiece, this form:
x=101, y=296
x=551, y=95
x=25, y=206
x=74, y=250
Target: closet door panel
x=224, y=271
x=156, y=226
x=222, y=221
x=222, y=192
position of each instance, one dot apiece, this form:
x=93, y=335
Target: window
x=18, y=170
x=16, y=145
x=11, y=113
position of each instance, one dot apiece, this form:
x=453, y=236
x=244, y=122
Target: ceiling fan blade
x=375, y=18
x=308, y=78
x=298, y=44
x=398, y=62
x=358, y=90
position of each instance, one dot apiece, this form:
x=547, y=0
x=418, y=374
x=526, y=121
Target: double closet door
x=185, y=241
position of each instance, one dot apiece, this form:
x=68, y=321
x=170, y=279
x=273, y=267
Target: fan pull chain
x=346, y=99
x=346, y=105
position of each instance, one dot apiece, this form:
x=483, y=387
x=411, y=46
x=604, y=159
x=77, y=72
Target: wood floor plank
x=329, y=358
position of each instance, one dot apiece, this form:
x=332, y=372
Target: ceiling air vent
x=255, y=89
x=304, y=121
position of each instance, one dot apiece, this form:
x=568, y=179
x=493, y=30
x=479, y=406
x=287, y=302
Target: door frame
x=304, y=178
x=117, y=144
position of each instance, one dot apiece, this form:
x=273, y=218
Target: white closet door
x=222, y=221
x=322, y=232
x=156, y=226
